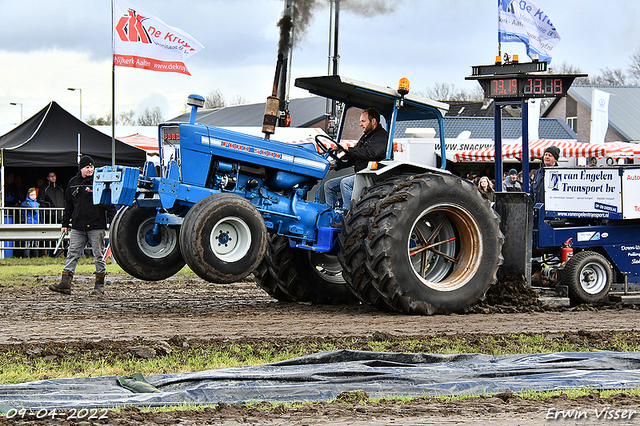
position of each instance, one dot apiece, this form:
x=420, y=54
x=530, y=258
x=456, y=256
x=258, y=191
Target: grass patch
x=30, y=362
x=20, y=272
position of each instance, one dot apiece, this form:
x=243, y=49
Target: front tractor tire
x=223, y=238
x=433, y=245
x=138, y=251
x=588, y=276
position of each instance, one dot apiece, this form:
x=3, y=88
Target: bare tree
x=440, y=91
x=214, y=99
x=125, y=118
x=567, y=68
x=447, y=92
x=476, y=94
x=609, y=77
x=151, y=117
x=99, y=121
x=238, y=100
x=634, y=68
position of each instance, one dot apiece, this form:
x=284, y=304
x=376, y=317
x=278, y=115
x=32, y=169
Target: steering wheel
x=330, y=151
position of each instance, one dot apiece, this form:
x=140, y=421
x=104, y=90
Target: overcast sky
x=52, y=45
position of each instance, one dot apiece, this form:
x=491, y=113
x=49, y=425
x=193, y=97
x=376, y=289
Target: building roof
x=624, y=107
x=483, y=128
x=474, y=109
x=304, y=112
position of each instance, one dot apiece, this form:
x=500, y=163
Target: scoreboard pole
x=497, y=122
x=497, y=150
x=525, y=145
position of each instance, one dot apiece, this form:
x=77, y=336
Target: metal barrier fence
x=28, y=230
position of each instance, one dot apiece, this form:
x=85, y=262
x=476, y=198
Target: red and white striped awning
x=143, y=142
x=622, y=149
x=568, y=149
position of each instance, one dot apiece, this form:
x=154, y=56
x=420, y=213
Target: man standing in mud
x=88, y=223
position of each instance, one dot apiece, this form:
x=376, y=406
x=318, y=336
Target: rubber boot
x=98, y=289
x=64, y=286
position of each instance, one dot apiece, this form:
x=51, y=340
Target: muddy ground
x=190, y=310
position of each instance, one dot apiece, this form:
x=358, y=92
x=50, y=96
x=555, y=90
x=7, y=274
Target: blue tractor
x=415, y=239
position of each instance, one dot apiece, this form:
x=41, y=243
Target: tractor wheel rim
x=230, y=239
x=152, y=247
x=593, y=278
x=458, y=254
x=327, y=266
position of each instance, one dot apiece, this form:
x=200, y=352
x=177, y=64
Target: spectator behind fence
x=511, y=182
x=486, y=189
x=20, y=194
x=10, y=191
x=31, y=216
x=52, y=195
x=39, y=184
x=88, y=223
x=549, y=159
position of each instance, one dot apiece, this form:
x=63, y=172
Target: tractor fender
x=367, y=177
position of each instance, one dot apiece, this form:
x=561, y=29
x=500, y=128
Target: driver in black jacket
x=372, y=146
x=88, y=223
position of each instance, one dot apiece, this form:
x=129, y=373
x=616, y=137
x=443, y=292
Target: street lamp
x=18, y=103
x=73, y=89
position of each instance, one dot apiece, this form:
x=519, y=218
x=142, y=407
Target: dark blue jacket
x=31, y=214
x=537, y=187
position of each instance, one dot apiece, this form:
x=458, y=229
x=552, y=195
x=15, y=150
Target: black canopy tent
x=53, y=139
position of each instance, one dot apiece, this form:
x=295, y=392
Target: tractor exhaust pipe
x=273, y=103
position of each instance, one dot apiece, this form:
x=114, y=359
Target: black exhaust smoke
x=293, y=27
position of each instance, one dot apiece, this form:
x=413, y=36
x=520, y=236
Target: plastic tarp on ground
x=324, y=375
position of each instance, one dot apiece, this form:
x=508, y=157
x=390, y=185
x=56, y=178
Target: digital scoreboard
x=521, y=81
x=526, y=86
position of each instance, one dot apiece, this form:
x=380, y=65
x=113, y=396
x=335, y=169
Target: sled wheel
x=138, y=251
x=223, y=238
x=434, y=245
x=308, y=276
x=588, y=276
x=266, y=280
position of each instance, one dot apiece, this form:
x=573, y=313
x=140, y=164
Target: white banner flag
x=522, y=21
x=143, y=41
x=599, y=115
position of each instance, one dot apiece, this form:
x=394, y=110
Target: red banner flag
x=143, y=41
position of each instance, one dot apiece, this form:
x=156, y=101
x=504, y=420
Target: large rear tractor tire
x=588, y=276
x=138, y=251
x=353, y=252
x=433, y=245
x=308, y=276
x=223, y=238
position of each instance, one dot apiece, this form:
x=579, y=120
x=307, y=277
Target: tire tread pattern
x=383, y=272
